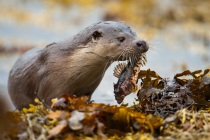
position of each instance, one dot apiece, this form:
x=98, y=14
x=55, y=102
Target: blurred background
x=178, y=32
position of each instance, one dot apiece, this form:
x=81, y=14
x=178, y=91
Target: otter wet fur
x=74, y=66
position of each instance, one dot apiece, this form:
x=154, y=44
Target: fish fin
x=118, y=69
x=144, y=58
x=142, y=61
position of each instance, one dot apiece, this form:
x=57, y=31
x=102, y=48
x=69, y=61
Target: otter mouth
x=131, y=58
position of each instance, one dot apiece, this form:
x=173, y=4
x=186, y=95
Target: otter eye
x=121, y=39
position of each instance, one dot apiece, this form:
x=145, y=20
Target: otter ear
x=96, y=35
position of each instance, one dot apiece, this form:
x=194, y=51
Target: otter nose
x=142, y=45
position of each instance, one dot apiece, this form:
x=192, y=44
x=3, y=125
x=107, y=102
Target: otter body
x=74, y=66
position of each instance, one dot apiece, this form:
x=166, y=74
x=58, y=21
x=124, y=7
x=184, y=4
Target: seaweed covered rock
x=72, y=117
x=164, y=97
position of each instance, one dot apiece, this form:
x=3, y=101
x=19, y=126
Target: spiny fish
x=127, y=75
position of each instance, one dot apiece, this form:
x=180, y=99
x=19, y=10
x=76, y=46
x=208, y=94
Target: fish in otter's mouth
x=127, y=75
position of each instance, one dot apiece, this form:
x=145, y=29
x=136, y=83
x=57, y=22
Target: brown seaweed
x=164, y=97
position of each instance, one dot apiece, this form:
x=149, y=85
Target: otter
x=74, y=66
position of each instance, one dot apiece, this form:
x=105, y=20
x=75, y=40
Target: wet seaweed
x=167, y=109
x=164, y=97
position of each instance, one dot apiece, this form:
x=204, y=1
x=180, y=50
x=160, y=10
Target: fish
x=127, y=75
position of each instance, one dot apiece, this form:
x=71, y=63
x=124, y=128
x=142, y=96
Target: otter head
x=116, y=41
